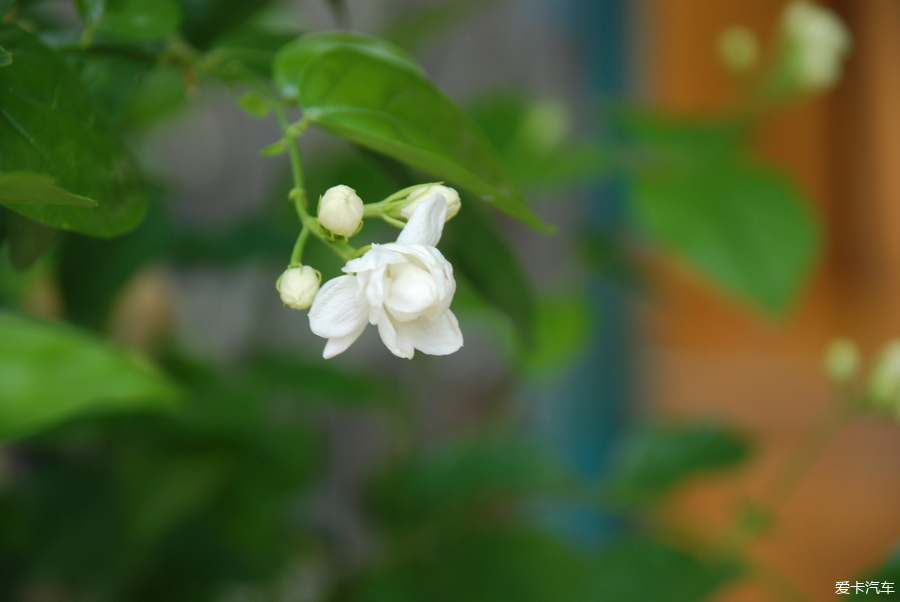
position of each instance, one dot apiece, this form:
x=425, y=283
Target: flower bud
x=816, y=44
x=298, y=286
x=417, y=195
x=341, y=210
x=842, y=361
x=738, y=49
x=884, y=380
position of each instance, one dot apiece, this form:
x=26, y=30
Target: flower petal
x=399, y=346
x=440, y=337
x=340, y=344
x=338, y=310
x=426, y=224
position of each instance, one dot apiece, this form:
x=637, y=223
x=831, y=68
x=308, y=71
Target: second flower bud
x=341, y=210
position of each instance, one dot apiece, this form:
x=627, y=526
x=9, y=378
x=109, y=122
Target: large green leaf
x=475, y=246
x=37, y=188
x=746, y=227
x=140, y=19
x=50, y=124
x=372, y=93
x=50, y=373
x=661, y=458
x=642, y=570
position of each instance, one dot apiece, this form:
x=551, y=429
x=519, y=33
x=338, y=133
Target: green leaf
x=659, y=459
x=479, y=251
x=889, y=572
x=5, y=57
x=246, y=51
x=140, y=19
x=449, y=480
x=420, y=24
x=207, y=20
x=113, y=76
x=324, y=382
x=50, y=373
x=254, y=105
x=50, y=124
x=534, y=138
x=90, y=10
x=484, y=566
x=641, y=570
x=374, y=94
x=748, y=229
x=37, y=188
x=563, y=327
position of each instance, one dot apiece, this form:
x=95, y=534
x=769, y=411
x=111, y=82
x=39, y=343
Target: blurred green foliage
x=159, y=477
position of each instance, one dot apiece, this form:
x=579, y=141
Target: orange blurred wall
x=713, y=357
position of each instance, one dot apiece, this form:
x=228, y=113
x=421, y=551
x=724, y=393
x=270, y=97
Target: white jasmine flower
x=405, y=288
x=422, y=193
x=298, y=286
x=817, y=41
x=341, y=210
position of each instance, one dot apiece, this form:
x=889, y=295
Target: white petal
x=399, y=346
x=340, y=344
x=426, y=224
x=377, y=256
x=440, y=337
x=338, y=310
x=413, y=290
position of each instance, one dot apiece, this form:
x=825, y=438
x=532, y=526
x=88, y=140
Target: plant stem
x=297, y=254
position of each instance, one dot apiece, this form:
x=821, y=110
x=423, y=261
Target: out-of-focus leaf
x=424, y=23
x=50, y=373
x=254, y=105
x=253, y=239
x=113, y=76
x=140, y=19
x=478, y=251
x=37, y=188
x=51, y=125
x=534, y=139
x=640, y=570
x=659, y=459
x=455, y=477
x=888, y=573
x=28, y=240
x=563, y=328
x=160, y=93
x=92, y=271
x=246, y=49
x=372, y=93
x=90, y=10
x=746, y=227
x=490, y=566
x=5, y=57
x=206, y=20
x=320, y=381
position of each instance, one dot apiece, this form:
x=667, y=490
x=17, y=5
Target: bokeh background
x=370, y=478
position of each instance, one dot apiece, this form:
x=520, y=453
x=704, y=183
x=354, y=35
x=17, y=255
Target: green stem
x=297, y=254
x=290, y=137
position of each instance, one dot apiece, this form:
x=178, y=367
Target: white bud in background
x=422, y=193
x=842, y=361
x=341, y=210
x=298, y=286
x=884, y=380
x=817, y=42
x=738, y=49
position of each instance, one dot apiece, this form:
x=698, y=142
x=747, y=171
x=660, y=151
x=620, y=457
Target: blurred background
x=623, y=422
